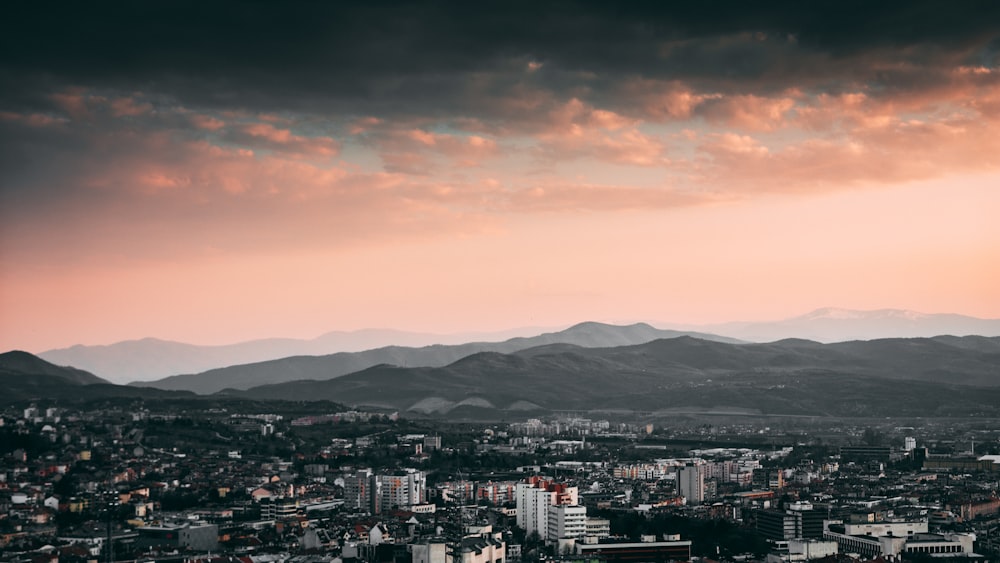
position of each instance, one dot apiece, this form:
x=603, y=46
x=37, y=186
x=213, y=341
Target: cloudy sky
x=214, y=172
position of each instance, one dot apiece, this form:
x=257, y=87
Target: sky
x=214, y=172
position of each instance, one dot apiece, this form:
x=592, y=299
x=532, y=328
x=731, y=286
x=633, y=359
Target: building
x=368, y=492
x=691, y=484
x=598, y=527
x=432, y=443
x=799, y=521
x=769, y=478
x=809, y=520
x=875, y=539
x=534, y=497
x=430, y=552
x=195, y=536
x=865, y=453
x=804, y=550
x=672, y=548
x=402, y=489
x=776, y=525
x=567, y=521
x=358, y=491
x=486, y=547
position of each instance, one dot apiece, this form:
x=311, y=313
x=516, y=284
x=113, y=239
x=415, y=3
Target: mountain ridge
x=334, y=365
x=26, y=377
x=860, y=377
x=835, y=324
x=152, y=359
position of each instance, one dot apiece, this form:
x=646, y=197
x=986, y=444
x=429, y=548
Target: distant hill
x=22, y=364
x=931, y=377
x=151, y=358
x=838, y=325
x=588, y=334
x=24, y=377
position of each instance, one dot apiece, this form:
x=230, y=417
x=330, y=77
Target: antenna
x=455, y=549
x=112, y=503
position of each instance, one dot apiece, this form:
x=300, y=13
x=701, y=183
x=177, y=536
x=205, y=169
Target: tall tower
x=691, y=484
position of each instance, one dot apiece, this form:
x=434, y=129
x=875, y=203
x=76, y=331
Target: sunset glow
x=424, y=170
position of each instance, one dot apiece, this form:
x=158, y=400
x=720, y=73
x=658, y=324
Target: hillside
x=335, y=365
x=25, y=377
x=22, y=364
x=832, y=324
x=152, y=358
x=894, y=377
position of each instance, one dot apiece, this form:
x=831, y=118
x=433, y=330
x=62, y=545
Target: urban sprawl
x=134, y=481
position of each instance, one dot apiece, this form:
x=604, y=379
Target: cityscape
x=500, y=281
x=129, y=480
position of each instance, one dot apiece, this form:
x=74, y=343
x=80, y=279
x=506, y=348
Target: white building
x=535, y=497
x=358, y=490
x=598, y=527
x=478, y=548
x=566, y=521
x=803, y=550
x=691, y=484
x=895, y=538
x=401, y=490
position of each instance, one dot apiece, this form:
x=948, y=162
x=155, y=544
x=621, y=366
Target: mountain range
x=334, y=365
x=26, y=377
x=831, y=324
x=152, y=359
x=945, y=376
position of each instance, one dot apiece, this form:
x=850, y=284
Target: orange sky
x=539, y=187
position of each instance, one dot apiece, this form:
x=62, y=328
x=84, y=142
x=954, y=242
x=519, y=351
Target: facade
x=400, y=489
x=358, y=491
x=193, y=536
x=432, y=443
x=807, y=550
x=776, y=525
x=691, y=484
x=895, y=538
x=368, y=492
x=768, y=478
x=430, y=552
x=865, y=453
x=566, y=521
x=670, y=549
x=488, y=548
x=598, y=527
x=809, y=520
x=800, y=521
x=534, y=497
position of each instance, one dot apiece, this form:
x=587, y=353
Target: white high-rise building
x=358, y=490
x=567, y=521
x=535, y=497
x=691, y=484
x=909, y=443
x=401, y=490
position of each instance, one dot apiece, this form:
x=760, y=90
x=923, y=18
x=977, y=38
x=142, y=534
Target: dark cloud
x=386, y=58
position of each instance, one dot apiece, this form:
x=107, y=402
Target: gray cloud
x=387, y=58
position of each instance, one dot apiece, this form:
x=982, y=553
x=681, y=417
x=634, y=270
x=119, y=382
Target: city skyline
x=259, y=171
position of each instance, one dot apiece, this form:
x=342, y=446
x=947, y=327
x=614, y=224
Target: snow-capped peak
x=852, y=314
